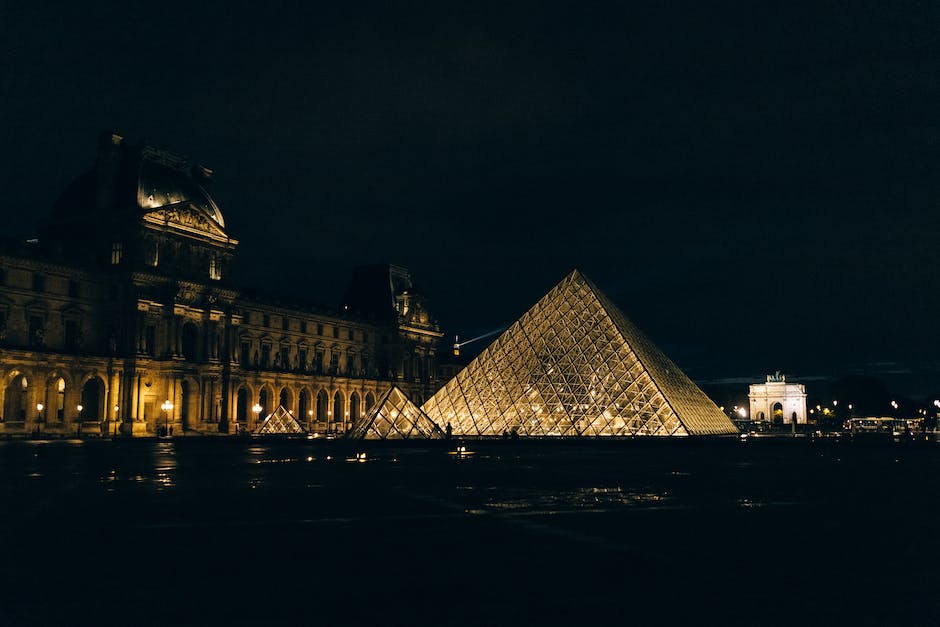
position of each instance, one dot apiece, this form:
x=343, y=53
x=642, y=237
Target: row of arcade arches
x=777, y=415
x=60, y=399
x=324, y=408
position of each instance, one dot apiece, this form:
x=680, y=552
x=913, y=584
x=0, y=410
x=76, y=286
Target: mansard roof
x=128, y=177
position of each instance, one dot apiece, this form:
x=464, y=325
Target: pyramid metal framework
x=574, y=365
x=395, y=417
x=279, y=422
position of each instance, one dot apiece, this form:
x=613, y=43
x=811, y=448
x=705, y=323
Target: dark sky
x=755, y=184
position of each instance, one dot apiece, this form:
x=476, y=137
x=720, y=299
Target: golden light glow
x=395, y=417
x=573, y=365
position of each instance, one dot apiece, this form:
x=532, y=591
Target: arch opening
x=92, y=399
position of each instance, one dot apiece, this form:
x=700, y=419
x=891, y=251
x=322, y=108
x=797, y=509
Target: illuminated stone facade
x=123, y=307
x=777, y=401
x=574, y=365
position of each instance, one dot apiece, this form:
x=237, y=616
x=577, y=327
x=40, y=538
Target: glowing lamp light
x=39, y=406
x=79, y=408
x=742, y=412
x=256, y=408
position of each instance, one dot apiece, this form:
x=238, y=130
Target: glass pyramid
x=395, y=417
x=279, y=422
x=574, y=365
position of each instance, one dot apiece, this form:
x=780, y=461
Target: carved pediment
x=187, y=218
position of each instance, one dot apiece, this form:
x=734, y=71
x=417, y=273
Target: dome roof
x=136, y=176
x=159, y=186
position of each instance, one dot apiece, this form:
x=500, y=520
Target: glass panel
x=574, y=365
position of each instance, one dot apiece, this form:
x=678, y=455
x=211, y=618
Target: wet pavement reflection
x=185, y=531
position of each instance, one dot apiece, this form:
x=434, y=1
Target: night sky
x=757, y=188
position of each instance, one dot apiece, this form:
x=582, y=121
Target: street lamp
x=117, y=408
x=79, y=407
x=256, y=409
x=167, y=407
x=39, y=407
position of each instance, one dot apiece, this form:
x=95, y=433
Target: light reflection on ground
x=210, y=515
x=582, y=499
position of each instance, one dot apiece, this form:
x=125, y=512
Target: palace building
x=121, y=317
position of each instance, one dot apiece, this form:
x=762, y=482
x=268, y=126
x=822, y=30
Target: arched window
x=303, y=408
x=14, y=408
x=284, y=399
x=323, y=403
x=338, y=413
x=370, y=401
x=60, y=399
x=354, y=408
x=189, y=335
x=263, y=401
x=241, y=405
x=92, y=399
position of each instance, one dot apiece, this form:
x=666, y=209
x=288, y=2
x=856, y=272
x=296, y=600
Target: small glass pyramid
x=574, y=365
x=279, y=422
x=395, y=417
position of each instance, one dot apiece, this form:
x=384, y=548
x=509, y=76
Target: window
x=318, y=365
x=117, y=253
x=71, y=334
x=364, y=360
x=302, y=358
x=215, y=269
x=3, y=276
x=60, y=400
x=334, y=361
x=335, y=331
x=37, y=332
x=285, y=356
x=245, y=352
x=285, y=324
x=265, y=320
x=319, y=329
x=265, y=355
x=152, y=254
x=303, y=326
x=150, y=340
x=39, y=282
x=73, y=288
